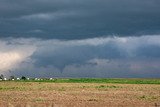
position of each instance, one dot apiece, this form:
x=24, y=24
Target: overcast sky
x=80, y=38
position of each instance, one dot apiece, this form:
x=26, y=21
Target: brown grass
x=30, y=94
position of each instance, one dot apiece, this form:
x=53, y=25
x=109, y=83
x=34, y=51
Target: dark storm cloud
x=95, y=57
x=68, y=55
x=82, y=52
x=115, y=54
x=78, y=19
x=82, y=38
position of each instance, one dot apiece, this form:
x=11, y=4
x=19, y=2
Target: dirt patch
x=34, y=94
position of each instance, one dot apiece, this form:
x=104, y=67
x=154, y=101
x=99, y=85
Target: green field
x=98, y=80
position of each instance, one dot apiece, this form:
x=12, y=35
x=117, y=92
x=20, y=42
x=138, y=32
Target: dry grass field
x=43, y=94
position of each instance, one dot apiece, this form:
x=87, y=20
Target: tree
x=2, y=77
x=23, y=78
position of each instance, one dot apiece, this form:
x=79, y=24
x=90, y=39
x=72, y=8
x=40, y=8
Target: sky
x=80, y=38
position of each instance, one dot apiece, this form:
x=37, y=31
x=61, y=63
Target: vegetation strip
x=96, y=80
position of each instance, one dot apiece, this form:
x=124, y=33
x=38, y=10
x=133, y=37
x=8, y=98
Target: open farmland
x=81, y=93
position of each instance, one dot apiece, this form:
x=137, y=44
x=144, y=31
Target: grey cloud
x=11, y=55
x=67, y=55
x=95, y=57
x=63, y=53
x=115, y=69
x=82, y=38
x=74, y=19
x=148, y=51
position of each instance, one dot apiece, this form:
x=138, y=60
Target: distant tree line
x=12, y=78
